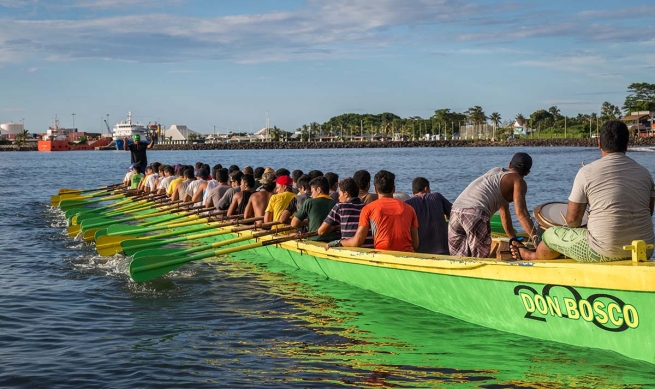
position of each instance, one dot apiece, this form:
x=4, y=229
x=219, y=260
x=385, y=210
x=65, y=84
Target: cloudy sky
x=225, y=63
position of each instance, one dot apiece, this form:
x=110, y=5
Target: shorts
x=573, y=243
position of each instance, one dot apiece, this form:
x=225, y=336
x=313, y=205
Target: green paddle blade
x=99, y=232
x=155, y=252
x=131, y=247
x=140, y=271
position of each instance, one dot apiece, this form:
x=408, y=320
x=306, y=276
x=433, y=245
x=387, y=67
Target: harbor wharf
x=523, y=142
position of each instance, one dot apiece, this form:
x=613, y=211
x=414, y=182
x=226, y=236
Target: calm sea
x=70, y=318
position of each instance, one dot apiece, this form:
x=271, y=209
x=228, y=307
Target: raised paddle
x=167, y=252
x=108, y=245
x=131, y=247
x=123, y=229
x=125, y=209
x=66, y=190
x=148, y=268
x=66, y=205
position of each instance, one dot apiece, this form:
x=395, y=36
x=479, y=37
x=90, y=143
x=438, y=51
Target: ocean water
x=70, y=318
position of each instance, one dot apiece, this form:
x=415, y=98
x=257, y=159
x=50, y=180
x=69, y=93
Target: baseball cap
x=267, y=178
x=131, y=167
x=285, y=180
x=136, y=137
x=522, y=162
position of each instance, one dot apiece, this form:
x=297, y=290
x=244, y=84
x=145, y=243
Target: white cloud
x=32, y=69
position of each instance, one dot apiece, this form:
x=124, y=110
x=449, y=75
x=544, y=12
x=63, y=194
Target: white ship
x=127, y=129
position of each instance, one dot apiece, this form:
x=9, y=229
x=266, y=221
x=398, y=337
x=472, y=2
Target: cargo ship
x=57, y=139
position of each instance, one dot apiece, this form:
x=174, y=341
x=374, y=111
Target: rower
x=620, y=194
x=469, y=229
x=432, y=209
x=313, y=211
x=240, y=199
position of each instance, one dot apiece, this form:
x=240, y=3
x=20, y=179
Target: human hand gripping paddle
x=147, y=268
x=109, y=245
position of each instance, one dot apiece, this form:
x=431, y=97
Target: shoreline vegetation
x=522, y=142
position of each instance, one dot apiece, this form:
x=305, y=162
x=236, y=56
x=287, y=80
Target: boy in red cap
x=279, y=201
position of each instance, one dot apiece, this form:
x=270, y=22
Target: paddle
x=123, y=229
x=66, y=190
x=137, y=206
x=131, y=247
x=65, y=205
x=147, y=268
x=108, y=245
x=167, y=252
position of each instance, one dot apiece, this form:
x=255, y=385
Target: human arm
x=360, y=237
x=152, y=142
x=574, y=214
x=521, y=209
x=234, y=204
x=125, y=143
x=506, y=221
x=414, y=232
x=325, y=229
x=197, y=197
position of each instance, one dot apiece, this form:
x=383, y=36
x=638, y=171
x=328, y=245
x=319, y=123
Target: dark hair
x=169, y=169
x=237, y=176
x=333, y=179
x=363, y=179
x=349, y=186
x=155, y=166
x=161, y=168
x=419, y=184
x=295, y=175
x=188, y=172
x=222, y=175
x=206, y=166
x=303, y=181
x=315, y=173
x=320, y=182
x=384, y=182
x=247, y=170
x=259, y=172
x=203, y=173
x=198, y=165
x=215, y=170
x=149, y=167
x=137, y=167
x=282, y=172
x=269, y=186
x=249, y=179
x=233, y=169
x=614, y=137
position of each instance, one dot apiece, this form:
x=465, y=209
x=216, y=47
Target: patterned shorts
x=469, y=233
x=573, y=243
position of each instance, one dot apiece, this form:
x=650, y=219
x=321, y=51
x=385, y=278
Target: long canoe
x=605, y=306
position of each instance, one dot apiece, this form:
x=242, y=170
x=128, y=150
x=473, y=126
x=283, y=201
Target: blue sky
x=226, y=63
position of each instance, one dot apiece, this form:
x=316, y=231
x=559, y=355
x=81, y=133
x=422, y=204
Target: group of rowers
x=617, y=192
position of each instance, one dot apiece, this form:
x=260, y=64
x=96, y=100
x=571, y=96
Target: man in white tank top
x=469, y=228
x=620, y=194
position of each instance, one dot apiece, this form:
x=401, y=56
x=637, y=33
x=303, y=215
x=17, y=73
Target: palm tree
x=21, y=137
x=554, y=111
x=305, y=132
x=476, y=115
x=495, y=119
x=520, y=117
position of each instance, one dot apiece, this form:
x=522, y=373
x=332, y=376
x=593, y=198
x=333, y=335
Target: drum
x=552, y=214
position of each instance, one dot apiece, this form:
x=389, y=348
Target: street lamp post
x=73, y=122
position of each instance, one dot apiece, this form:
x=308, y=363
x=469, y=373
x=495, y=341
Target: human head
x=319, y=186
x=155, y=166
x=385, y=182
x=161, y=169
x=236, y=178
x=232, y=169
x=315, y=173
x=215, y=171
x=198, y=165
x=222, y=175
x=614, y=137
x=137, y=168
x=303, y=183
x=348, y=188
x=188, y=172
x=522, y=163
x=178, y=169
x=284, y=183
x=282, y=172
x=247, y=170
x=420, y=184
x=136, y=138
x=268, y=182
x=259, y=171
x=169, y=171
x=149, y=169
x=203, y=173
x=247, y=181
x=295, y=175
x=363, y=179
x=333, y=180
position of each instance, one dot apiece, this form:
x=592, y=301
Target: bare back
x=257, y=204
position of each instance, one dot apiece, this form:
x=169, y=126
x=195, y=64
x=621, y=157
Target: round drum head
x=552, y=214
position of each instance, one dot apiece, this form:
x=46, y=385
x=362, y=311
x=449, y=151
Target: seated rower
x=620, y=195
x=194, y=192
x=168, y=176
x=469, y=229
x=180, y=190
x=240, y=199
x=235, y=182
x=279, y=201
x=432, y=209
x=344, y=216
x=304, y=193
x=363, y=180
x=136, y=176
x=393, y=223
x=258, y=201
x=215, y=194
x=314, y=210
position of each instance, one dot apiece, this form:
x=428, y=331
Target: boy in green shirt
x=136, y=177
x=313, y=211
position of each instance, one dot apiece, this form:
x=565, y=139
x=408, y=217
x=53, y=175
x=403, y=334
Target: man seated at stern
x=620, y=196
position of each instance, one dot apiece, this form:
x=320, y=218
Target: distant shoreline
x=555, y=142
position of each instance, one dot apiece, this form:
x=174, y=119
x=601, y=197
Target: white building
x=11, y=128
x=180, y=132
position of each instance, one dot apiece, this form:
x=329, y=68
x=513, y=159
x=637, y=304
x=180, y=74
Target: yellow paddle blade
x=66, y=190
x=90, y=234
x=74, y=230
x=74, y=219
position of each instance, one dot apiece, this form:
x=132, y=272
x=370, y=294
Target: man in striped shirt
x=345, y=215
